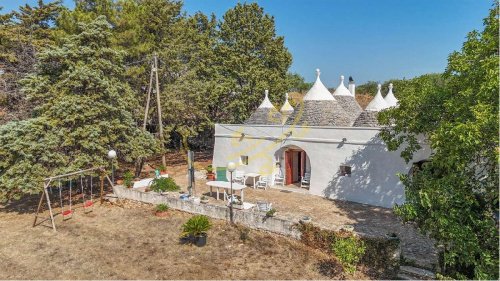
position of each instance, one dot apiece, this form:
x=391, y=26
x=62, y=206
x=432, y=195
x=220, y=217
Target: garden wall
x=252, y=219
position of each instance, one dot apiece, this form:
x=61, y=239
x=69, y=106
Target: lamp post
x=231, y=167
x=111, y=156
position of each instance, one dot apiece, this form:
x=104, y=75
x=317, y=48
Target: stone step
x=417, y=273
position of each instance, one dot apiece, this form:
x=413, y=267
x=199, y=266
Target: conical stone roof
x=319, y=108
x=265, y=114
x=378, y=103
x=390, y=99
x=367, y=119
x=347, y=101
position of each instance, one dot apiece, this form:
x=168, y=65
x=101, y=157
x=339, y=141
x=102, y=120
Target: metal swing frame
x=45, y=193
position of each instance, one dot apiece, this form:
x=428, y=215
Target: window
x=244, y=160
x=345, y=170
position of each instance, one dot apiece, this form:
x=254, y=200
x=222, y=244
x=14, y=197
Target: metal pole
x=112, y=172
x=231, y=219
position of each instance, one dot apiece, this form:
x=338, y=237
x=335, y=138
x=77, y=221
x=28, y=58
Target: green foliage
x=23, y=33
x=271, y=212
x=162, y=168
x=164, y=184
x=210, y=169
x=196, y=226
x=162, y=207
x=128, y=179
x=349, y=251
x=252, y=58
x=296, y=83
x=454, y=196
x=82, y=107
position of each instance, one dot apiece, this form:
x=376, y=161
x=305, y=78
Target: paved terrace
x=333, y=214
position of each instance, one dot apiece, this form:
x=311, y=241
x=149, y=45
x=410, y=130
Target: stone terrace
x=333, y=214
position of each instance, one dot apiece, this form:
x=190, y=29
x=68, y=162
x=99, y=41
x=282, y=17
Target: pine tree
x=22, y=34
x=251, y=58
x=83, y=108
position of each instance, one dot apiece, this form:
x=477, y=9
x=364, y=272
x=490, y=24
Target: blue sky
x=369, y=39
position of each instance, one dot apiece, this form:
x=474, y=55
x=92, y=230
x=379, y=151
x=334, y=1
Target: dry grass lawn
x=126, y=241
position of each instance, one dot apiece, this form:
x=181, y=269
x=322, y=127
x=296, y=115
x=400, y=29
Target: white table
x=225, y=185
x=252, y=175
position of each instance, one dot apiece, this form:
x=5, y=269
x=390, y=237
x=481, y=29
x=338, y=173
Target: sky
x=370, y=40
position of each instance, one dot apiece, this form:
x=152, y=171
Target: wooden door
x=288, y=167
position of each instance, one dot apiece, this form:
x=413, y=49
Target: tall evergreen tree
x=84, y=107
x=22, y=34
x=251, y=58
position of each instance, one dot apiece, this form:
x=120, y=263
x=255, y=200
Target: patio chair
x=220, y=173
x=305, y=180
x=263, y=182
x=264, y=206
x=239, y=177
x=279, y=179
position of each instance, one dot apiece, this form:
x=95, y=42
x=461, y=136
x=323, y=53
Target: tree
x=296, y=83
x=84, y=107
x=454, y=196
x=251, y=58
x=22, y=34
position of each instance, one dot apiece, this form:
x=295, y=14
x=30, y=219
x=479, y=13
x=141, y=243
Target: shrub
x=128, y=179
x=196, y=226
x=162, y=207
x=349, y=251
x=209, y=169
x=271, y=212
x=164, y=184
x=163, y=168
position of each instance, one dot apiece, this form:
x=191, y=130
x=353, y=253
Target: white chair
x=305, y=180
x=239, y=177
x=263, y=182
x=279, y=179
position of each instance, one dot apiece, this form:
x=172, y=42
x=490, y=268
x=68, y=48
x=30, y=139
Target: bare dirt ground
x=126, y=241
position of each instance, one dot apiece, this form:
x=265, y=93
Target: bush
x=209, y=169
x=349, y=251
x=196, y=226
x=162, y=168
x=271, y=212
x=162, y=207
x=128, y=179
x=164, y=184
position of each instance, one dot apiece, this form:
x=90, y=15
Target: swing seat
x=67, y=213
x=88, y=204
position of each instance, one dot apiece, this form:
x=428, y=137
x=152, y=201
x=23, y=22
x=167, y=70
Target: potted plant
x=161, y=210
x=204, y=199
x=210, y=173
x=163, y=169
x=128, y=179
x=271, y=212
x=305, y=219
x=195, y=229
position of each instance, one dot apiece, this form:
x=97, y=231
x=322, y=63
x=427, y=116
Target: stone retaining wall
x=249, y=218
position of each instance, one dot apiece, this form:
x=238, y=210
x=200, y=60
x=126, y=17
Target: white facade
x=374, y=169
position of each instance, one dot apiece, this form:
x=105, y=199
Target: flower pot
x=305, y=219
x=204, y=201
x=163, y=173
x=211, y=176
x=162, y=214
x=119, y=182
x=200, y=240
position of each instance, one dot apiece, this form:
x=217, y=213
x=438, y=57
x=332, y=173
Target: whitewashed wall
x=374, y=177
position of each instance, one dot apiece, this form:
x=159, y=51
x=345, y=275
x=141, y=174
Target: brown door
x=302, y=163
x=288, y=167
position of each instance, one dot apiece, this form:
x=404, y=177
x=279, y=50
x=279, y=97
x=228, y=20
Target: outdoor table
x=252, y=175
x=225, y=185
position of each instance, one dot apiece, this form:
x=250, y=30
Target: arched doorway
x=294, y=164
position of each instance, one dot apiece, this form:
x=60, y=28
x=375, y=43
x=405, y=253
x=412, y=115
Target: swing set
x=73, y=182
